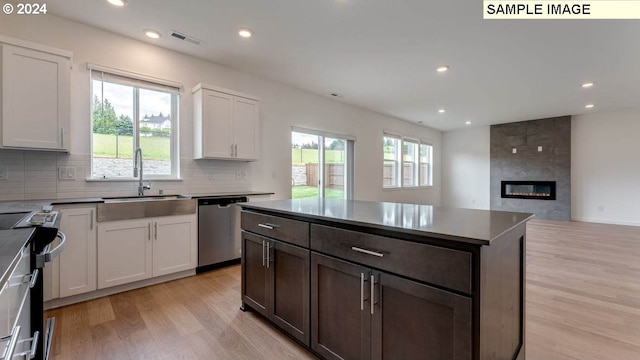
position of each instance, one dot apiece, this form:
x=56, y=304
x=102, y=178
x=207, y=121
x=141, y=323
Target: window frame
x=349, y=158
x=137, y=82
x=417, y=177
x=397, y=160
x=429, y=165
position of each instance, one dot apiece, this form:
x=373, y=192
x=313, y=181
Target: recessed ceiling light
x=468, y=122
x=587, y=85
x=443, y=68
x=153, y=34
x=245, y=33
x=336, y=95
x=118, y=3
x=441, y=111
x=589, y=106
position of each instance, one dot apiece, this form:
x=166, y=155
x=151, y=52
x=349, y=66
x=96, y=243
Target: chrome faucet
x=138, y=158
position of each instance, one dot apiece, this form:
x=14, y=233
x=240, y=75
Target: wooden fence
x=307, y=174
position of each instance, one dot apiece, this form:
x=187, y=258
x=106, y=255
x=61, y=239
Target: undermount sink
x=137, y=207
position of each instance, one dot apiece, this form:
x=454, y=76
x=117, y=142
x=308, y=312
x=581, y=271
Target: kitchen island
x=372, y=280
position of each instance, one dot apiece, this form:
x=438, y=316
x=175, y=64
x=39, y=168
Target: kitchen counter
x=11, y=242
x=33, y=205
x=463, y=225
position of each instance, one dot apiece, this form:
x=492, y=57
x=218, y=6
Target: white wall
x=282, y=107
x=465, y=168
x=605, y=167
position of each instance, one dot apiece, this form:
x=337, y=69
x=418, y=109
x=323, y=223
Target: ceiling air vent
x=184, y=37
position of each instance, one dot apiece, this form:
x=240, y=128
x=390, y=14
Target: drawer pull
x=269, y=226
x=368, y=252
x=34, y=346
x=34, y=278
x=13, y=341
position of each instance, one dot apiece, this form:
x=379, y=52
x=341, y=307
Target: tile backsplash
x=29, y=175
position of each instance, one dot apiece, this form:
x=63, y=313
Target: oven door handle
x=48, y=255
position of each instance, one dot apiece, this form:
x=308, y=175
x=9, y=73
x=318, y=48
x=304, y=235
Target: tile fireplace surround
x=538, y=150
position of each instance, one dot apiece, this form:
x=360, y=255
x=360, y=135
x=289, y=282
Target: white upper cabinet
x=226, y=124
x=35, y=96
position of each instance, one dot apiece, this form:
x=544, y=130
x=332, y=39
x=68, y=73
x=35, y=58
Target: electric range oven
x=29, y=337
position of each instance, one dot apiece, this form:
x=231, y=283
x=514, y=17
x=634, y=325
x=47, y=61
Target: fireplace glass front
x=541, y=190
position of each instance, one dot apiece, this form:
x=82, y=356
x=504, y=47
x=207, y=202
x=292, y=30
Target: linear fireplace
x=539, y=190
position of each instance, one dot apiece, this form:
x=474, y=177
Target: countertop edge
x=32, y=205
x=474, y=241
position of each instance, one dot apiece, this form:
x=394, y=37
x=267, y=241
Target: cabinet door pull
x=91, y=220
x=361, y=291
x=368, y=252
x=149, y=237
x=268, y=254
x=263, y=255
x=155, y=233
x=269, y=226
x=62, y=138
x=235, y=150
x=373, y=289
x=231, y=149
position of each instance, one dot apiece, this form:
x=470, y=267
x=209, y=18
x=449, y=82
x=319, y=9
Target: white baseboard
x=605, y=221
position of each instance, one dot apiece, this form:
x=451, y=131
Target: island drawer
x=292, y=231
x=435, y=265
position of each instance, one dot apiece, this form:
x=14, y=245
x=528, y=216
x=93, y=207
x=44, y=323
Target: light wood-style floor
x=583, y=291
x=583, y=302
x=192, y=318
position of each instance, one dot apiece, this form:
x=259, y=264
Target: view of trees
x=105, y=120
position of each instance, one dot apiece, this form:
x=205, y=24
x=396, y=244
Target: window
x=129, y=113
x=407, y=162
x=426, y=161
x=391, y=167
x=321, y=164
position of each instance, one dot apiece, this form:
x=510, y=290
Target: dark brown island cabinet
x=368, y=280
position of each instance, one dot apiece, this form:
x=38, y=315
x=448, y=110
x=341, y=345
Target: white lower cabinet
x=78, y=260
x=74, y=271
x=132, y=250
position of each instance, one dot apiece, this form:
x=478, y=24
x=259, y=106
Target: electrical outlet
x=238, y=174
x=66, y=173
x=4, y=173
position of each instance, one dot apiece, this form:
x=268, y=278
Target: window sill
x=130, y=179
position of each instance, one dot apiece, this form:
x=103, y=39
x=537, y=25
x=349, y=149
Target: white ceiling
x=382, y=54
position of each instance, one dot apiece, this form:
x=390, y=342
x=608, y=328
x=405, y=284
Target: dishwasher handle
x=224, y=202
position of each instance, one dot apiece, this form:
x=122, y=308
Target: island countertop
x=465, y=225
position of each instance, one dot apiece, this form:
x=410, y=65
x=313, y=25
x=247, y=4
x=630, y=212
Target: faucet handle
x=147, y=187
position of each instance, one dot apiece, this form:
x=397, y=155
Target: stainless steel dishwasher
x=219, y=241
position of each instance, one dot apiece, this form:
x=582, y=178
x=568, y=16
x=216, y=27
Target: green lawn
x=305, y=156
x=155, y=148
x=300, y=192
